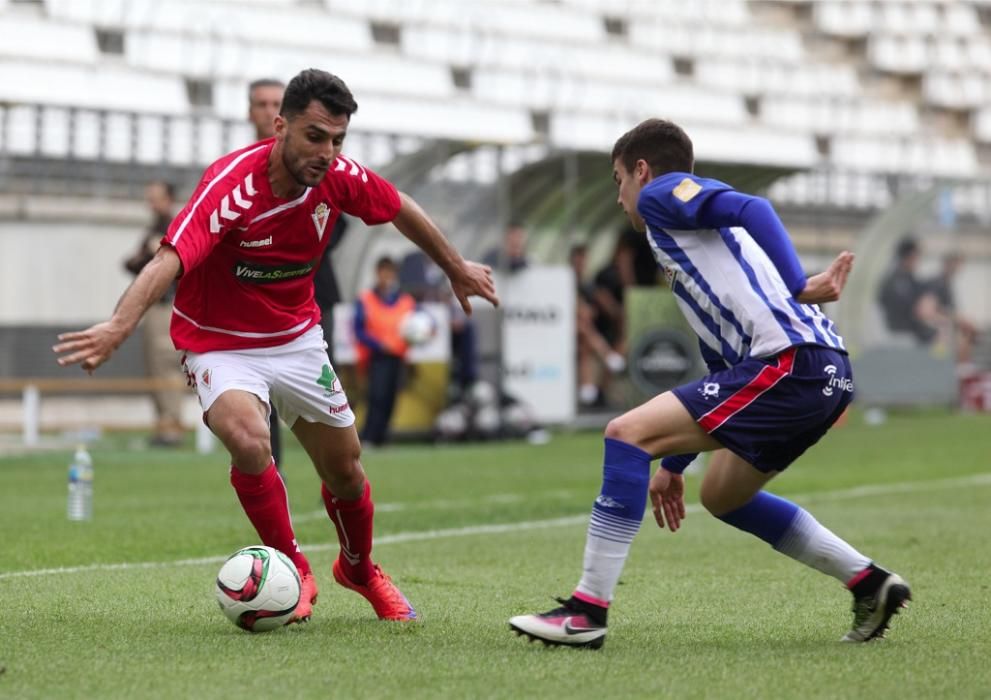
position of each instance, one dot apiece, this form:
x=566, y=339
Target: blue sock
x=616, y=517
x=767, y=516
x=795, y=533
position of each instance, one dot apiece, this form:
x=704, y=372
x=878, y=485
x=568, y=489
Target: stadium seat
x=729, y=144
x=545, y=90
x=844, y=19
x=35, y=38
x=455, y=119
x=764, y=77
x=109, y=87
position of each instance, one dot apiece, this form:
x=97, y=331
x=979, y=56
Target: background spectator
x=378, y=317
x=161, y=358
x=424, y=281
x=941, y=288
x=905, y=302
x=609, y=289
x=264, y=103
x=512, y=254
x=594, y=352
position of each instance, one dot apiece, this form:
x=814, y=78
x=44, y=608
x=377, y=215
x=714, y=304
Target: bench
x=32, y=388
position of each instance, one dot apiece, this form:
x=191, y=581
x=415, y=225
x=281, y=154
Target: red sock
x=264, y=499
x=353, y=520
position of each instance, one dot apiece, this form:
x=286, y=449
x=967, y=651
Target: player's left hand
x=828, y=285
x=474, y=279
x=667, y=498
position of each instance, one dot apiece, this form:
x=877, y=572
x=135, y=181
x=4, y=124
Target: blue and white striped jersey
x=727, y=286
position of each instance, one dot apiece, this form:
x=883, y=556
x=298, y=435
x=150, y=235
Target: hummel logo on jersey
x=834, y=382
x=343, y=162
x=257, y=244
x=225, y=212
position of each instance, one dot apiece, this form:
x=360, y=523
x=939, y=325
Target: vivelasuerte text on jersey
x=249, y=257
x=732, y=289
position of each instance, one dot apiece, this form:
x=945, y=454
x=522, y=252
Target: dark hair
x=262, y=83
x=313, y=84
x=906, y=248
x=663, y=144
x=384, y=262
x=169, y=187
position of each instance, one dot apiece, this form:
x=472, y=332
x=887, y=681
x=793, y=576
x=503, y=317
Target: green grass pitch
x=476, y=534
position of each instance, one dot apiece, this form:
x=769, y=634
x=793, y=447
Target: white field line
x=446, y=504
x=975, y=480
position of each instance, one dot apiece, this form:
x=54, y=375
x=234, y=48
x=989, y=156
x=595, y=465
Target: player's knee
x=249, y=444
x=621, y=429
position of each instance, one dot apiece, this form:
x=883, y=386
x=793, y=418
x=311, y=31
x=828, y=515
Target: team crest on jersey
x=320, y=216
x=687, y=189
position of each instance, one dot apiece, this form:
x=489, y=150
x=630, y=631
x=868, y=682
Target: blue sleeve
x=731, y=208
x=360, y=332
x=674, y=200
x=676, y=464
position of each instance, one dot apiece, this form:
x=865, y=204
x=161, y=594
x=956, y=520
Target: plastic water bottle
x=80, y=503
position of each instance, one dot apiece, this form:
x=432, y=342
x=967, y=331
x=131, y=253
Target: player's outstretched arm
x=94, y=346
x=467, y=278
x=828, y=285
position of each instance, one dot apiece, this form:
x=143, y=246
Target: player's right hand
x=474, y=279
x=828, y=285
x=89, y=348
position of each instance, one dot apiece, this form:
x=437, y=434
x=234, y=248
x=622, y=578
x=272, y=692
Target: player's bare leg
x=240, y=420
x=336, y=454
x=660, y=426
x=732, y=491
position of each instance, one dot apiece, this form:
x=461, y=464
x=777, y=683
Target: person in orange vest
x=378, y=318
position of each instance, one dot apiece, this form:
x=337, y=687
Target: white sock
x=812, y=544
x=606, y=548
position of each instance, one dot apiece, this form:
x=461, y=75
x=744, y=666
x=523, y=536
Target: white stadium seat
x=490, y=69
x=457, y=119
x=34, y=38
x=288, y=26
x=107, y=87
x=476, y=48
x=544, y=21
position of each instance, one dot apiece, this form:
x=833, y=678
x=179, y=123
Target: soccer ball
x=417, y=327
x=258, y=588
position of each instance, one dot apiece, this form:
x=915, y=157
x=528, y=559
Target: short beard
x=296, y=173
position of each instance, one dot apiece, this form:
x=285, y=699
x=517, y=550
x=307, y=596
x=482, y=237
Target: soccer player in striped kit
x=244, y=249
x=778, y=378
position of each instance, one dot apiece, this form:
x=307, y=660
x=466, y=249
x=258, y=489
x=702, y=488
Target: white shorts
x=296, y=378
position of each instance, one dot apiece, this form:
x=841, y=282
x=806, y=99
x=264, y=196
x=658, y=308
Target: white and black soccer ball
x=258, y=588
x=417, y=327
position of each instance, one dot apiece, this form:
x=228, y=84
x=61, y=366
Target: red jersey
x=249, y=257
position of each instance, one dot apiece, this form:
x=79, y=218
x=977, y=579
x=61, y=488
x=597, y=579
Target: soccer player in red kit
x=244, y=250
